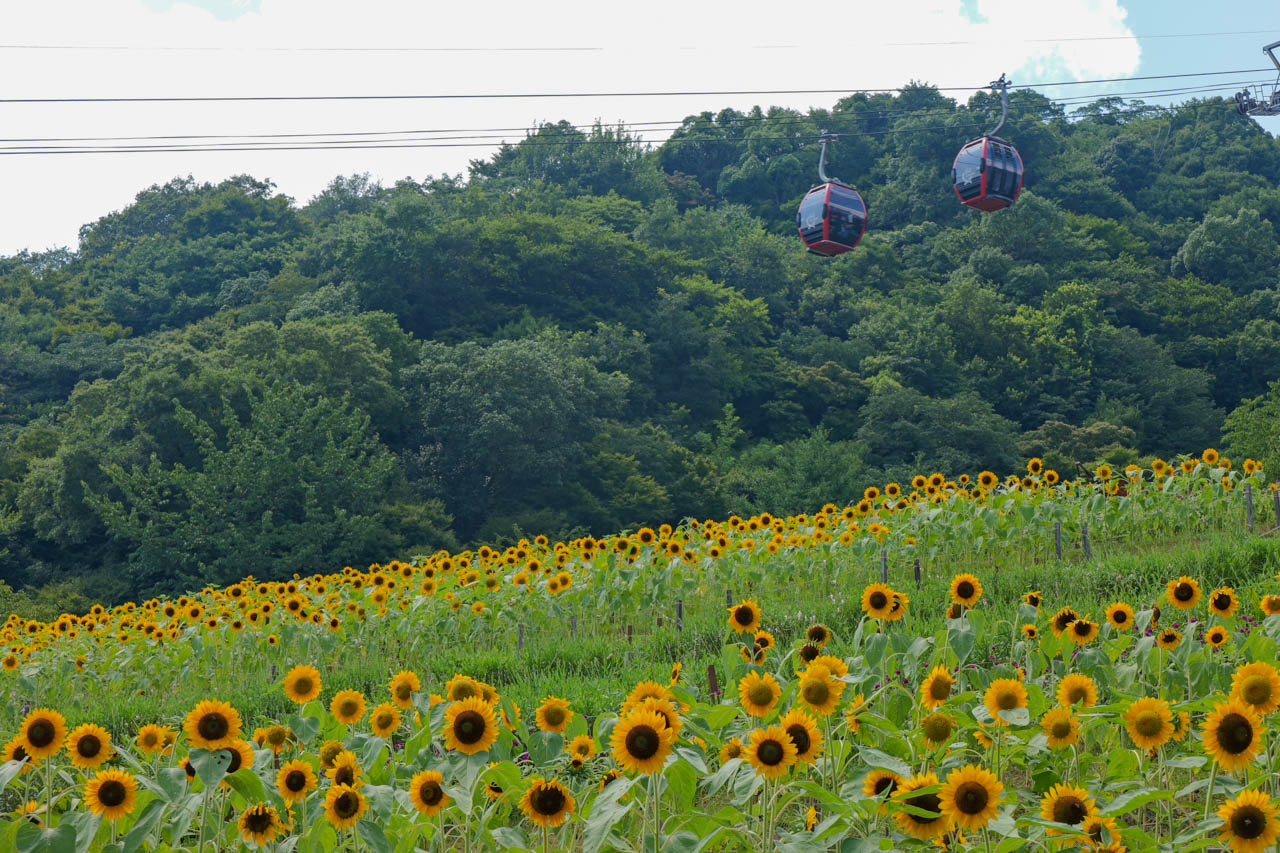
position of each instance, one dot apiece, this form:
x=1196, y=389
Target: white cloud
x=663, y=47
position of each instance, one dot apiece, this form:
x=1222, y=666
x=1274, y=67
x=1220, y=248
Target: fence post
x=1057, y=539
x=679, y=615
x=917, y=568
x=1084, y=540
x=884, y=567
x=630, y=628
x=728, y=598
x=1275, y=505
x=713, y=686
x=1248, y=506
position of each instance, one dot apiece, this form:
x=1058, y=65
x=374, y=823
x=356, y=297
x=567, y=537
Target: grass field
x=588, y=621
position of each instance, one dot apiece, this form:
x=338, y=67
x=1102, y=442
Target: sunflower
x=347, y=706
x=1102, y=831
x=1168, y=639
x=1223, y=602
x=918, y=822
x=1150, y=722
x=345, y=770
x=295, y=780
x=938, y=728
x=1030, y=632
x=1270, y=604
x=732, y=748
x=881, y=783
x=89, y=746
x=759, y=693
x=426, y=794
x=554, y=714
x=385, y=719
x=329, y=751
x=936, y=688
x=1062, y=620
x=1065, y=804
x=1210, y=456
x=1004, y=694
x=819, y=691
x=1216, y=636
x=302, y=684
x=343, y=806
x=1181, y=725
x=43, y=733
x=987, y=480
x=1183, y=593
x=546, y=803
x=403, y=685
x=112, y=794
x=1033, y=599
x=1258, y=686
x=241, y=756
x=1083, y=631
x=1249, y=822
x=1061, y=727
x=771, y=751
x=641, y=741
x=744, y=617
x=877, y=600
x=970, y=797
x=804, y=733
x=470, y=726
x=1233, y=735
x=260, y=824
x=461, y=687
x=1120, y=615
x=676, y=668
x=212, y=724
x=1077, y=688
x=764, y=640
x=153, y=739
x=581, y=746
x=966, y=589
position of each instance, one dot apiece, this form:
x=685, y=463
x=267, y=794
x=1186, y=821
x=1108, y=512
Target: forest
x=586, y=334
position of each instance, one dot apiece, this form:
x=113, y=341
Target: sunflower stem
x=1208, y=792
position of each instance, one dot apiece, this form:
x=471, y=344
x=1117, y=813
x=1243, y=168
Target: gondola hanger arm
x=1001, y=86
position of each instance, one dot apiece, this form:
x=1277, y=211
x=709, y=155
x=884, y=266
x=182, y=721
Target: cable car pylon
x=832, y=217
x=1262, y=100
x=987, y=173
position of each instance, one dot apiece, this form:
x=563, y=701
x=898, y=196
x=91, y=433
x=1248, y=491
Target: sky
x=167, y=48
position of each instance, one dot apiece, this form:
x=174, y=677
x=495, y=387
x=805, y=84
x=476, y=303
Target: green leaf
x=873, y=650
x=961, y=638
x=147, y=819
x=59, y=839
x=881, y=761
x=1126, y=803
x=683, y=780
x=509, y=838
x=210, y=765
x=9, y=771
x=371, y=833
x=606, y=811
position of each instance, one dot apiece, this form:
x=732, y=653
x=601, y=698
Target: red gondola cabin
x=987, y=174
x=832, y=219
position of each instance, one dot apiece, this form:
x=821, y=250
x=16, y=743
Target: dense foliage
x=589, y=335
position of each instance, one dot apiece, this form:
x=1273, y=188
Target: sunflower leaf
x=210, y=765
x=606, y=811
x=146, y=821
x=59, y=839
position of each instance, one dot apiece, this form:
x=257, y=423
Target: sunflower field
x=984, y=663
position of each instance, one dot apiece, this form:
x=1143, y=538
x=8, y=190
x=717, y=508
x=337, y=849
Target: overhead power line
x=536, y=95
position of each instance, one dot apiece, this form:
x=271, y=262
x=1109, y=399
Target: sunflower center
x=1070, y=810
x=402, y=691
x=800, y=735
x=346, y=805
x=1064, y=619
x=1006, y=700
x=940, y=689
x=1081, y=628
x=1060, y=729
x=743, y=615
x=770, y=753
x=1248, y=822
x=733, y=750
x=295, y=781
x=972, y=797
x=1120, y=616
x=642, y=742
x=548, y=801
x=1256, y=690
x=927, y=802
x=346, y=775
x=1183, y=592
x=258, y=821
x=469, y=727
x=348, y=708
x=817, y=635
x=88, y=746
x=430, y=793
x=885, y=783
x=112, y=793
x=760, y=693
x=236, y=761
x=150, y=739
x=878, y=600
x=554, y=715
x=815, y=691
x=1235, y=733
x=213, y=726
x=1148, y=724
x=1222, y=601
x=40, y=733
x=1077, y=694
x=964, y=589
x=303, y=685
x=383, y=720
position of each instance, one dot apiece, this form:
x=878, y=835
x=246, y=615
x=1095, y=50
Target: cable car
x=987, y=173
x=1262, y=100
x=832, y=217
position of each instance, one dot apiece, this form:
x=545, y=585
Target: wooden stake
x=679, y=615
x=713, y=686
x=1275, y=504
x=728, y=598
x=917, y=568
x=630, y=629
